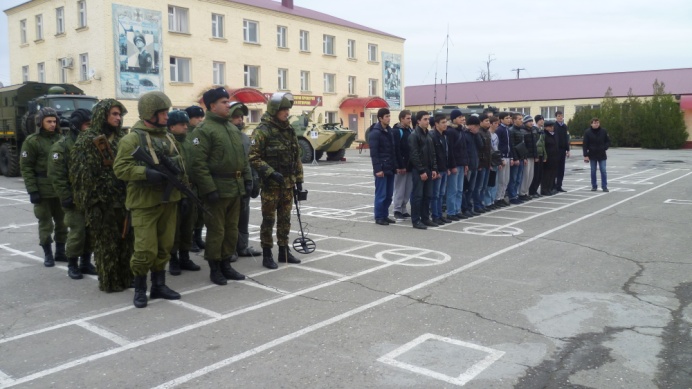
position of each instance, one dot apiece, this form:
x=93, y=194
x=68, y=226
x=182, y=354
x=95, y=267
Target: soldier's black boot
x=174, y=264
x=186, y=263
x=286, y=256
x=228, y=271
x=159, y=290
x=215, y=274
x=268, y=258
x=85, y=265
x=140, y=299
x=197, y=239
x=60, y=255
x=73, y=270
x=48, y=260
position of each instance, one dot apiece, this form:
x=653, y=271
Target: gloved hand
x=213, y=197
x=34, y=197
x=154, y=176
x=248, y=189
x=255, y=189
x=277, y=177
x=68, y=203
x=299, y=186
x=184, y=206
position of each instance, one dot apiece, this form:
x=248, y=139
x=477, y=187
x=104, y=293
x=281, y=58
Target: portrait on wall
x=391, y=76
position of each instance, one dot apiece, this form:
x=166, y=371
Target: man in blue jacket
x=383, y=155
x=505, y=147
x=455, y=181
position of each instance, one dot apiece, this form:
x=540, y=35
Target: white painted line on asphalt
x=306, y=330
x=463, y=378
x=247, y=281
x=195, y=308
x=499, y=217
x=115, y=338
x=630, y=175
x=345, y=193
x=15, y=226
x=513, y=210
x=26, y=254
x=531, y=206
x=5, y=379
x=551, y=202
x=680, y=202
x=13, y=199
x=659, y=175
x=312, y=269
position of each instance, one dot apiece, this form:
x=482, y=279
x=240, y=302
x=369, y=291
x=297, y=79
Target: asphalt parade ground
x=579, y=290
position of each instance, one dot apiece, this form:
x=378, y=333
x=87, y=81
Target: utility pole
x=435, y=94
x=518, y=70
x=447, y=63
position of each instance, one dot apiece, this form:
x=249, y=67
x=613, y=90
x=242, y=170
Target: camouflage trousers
x=154, y=235
x=78, y=241
x=276, y=205
x=112, y=252
x=51, y=218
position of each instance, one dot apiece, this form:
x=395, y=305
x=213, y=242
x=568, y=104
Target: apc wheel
x=9, y=162
x=305, y=151
x=336, y=155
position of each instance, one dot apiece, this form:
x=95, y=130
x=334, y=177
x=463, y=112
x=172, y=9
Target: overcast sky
x=545, y=37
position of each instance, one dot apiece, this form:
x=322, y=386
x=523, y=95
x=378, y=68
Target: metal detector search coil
x=302, y=244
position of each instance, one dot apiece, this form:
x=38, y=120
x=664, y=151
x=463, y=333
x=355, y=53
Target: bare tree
x=486, y=74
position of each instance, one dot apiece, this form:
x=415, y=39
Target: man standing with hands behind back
x=384, y=164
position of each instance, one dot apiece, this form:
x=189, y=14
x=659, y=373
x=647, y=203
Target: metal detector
x=302, y=245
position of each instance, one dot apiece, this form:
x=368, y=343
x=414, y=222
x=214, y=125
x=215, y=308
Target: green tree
x=665, y=121
x=634, y=113
x=611, y=118
x=582, y=120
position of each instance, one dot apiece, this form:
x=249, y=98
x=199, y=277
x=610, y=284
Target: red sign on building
x=303, y=100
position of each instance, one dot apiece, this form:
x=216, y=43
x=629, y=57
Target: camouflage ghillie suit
x=101, y=196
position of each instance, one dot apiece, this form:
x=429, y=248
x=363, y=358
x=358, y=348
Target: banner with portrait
x=391, y=76
x=139, y=49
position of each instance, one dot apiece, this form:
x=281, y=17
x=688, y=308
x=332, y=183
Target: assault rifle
x=167, y=168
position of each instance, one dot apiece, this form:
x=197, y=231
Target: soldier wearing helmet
x=34, y=162
x=187, y=210
x=222, y=175
x=153, y=216
x=144, y=59
x=78, y=243
x=196, y=115
x=275, y=155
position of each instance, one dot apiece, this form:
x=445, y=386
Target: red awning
x=686, y=102
x=364, y=102
x=247, y=96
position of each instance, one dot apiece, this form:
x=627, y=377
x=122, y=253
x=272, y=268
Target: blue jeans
x=480, y=187
x=516, y=174
x=468, y=192
x=490, y=191
x=455, y=191
x=439, y=190
x=602, y=168
x=384, y=188
x=420, y=198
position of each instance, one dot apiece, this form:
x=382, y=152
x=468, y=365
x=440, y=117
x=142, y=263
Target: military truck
x=18, y=106
x=466, y=111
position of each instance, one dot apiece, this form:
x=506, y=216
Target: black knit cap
x=211, y=96
x=473, y=120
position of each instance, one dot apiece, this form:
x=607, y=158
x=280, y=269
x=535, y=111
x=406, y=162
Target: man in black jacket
x=445, y=165
x=552, y=160
x=562, y=133
x=383, y=155
x=424, y=171
x=596, y=142
x=456, y=142
x=403, y=181
x=473, y=144
x=530, y=139
x=520, y=151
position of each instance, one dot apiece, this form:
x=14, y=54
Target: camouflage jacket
x=275, y=148
x=34, y=162
x=59, y=169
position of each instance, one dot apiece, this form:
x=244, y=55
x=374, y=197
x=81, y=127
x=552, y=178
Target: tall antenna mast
x=435, y=94
x=447, y=63
x=518, y=70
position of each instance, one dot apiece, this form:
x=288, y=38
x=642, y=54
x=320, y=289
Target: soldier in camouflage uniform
x=222, y=175
x=100, y=195
x=196, y=115
x=78, y=243
x=275, y=155
x=187, y=210
x=153, y=216
x=33, y=163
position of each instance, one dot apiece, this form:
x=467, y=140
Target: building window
x=548, y=113
x=25, y=73
x=281, y=36
x=39, y=27
x=255, y=116
x=372, y=53
x=180, y=69
x=351, y=85
x=373, y=118
x=217, y=25
x=283, y=79
x=250, y=31
x=331, y=117
x=351, y=49
x=329, y=82
x=219, y=71
x=521, y=110
x=251, y=76
x=83, y=67
x=304, y=41
x=177, y=19
x=328, y=45
x=586, y=106
x=81, y=6
x=22, y=31
x=41, y=72
x=372, y=87
x=60, y=20
x=304, y=81
x=63, y=64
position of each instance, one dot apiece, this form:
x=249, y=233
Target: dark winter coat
x=516, y=136
x=400, y=136
x=530, y=139
x=485, y=152
x=596, y=142
x=563, y=135
x=457, y=145
x=552, y=150
x=505, y=146
x=473, y=144
x=445, y=159
x=382, y=151
x=422, y=149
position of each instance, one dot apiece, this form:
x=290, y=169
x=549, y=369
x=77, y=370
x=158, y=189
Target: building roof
x=309, y=14
x=583, y=86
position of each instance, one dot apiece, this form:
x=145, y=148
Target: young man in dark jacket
x=383, y=155
x=445, y=165
x=563, y=143
x=520, y=151
x=424, y=169
x=538, y=166
x=530, y=139
x=596, y=142
x=505, y=148
x=484, y=155
x=473, y=144
x=552, y=159
x=403, y=181
x=456, y=142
